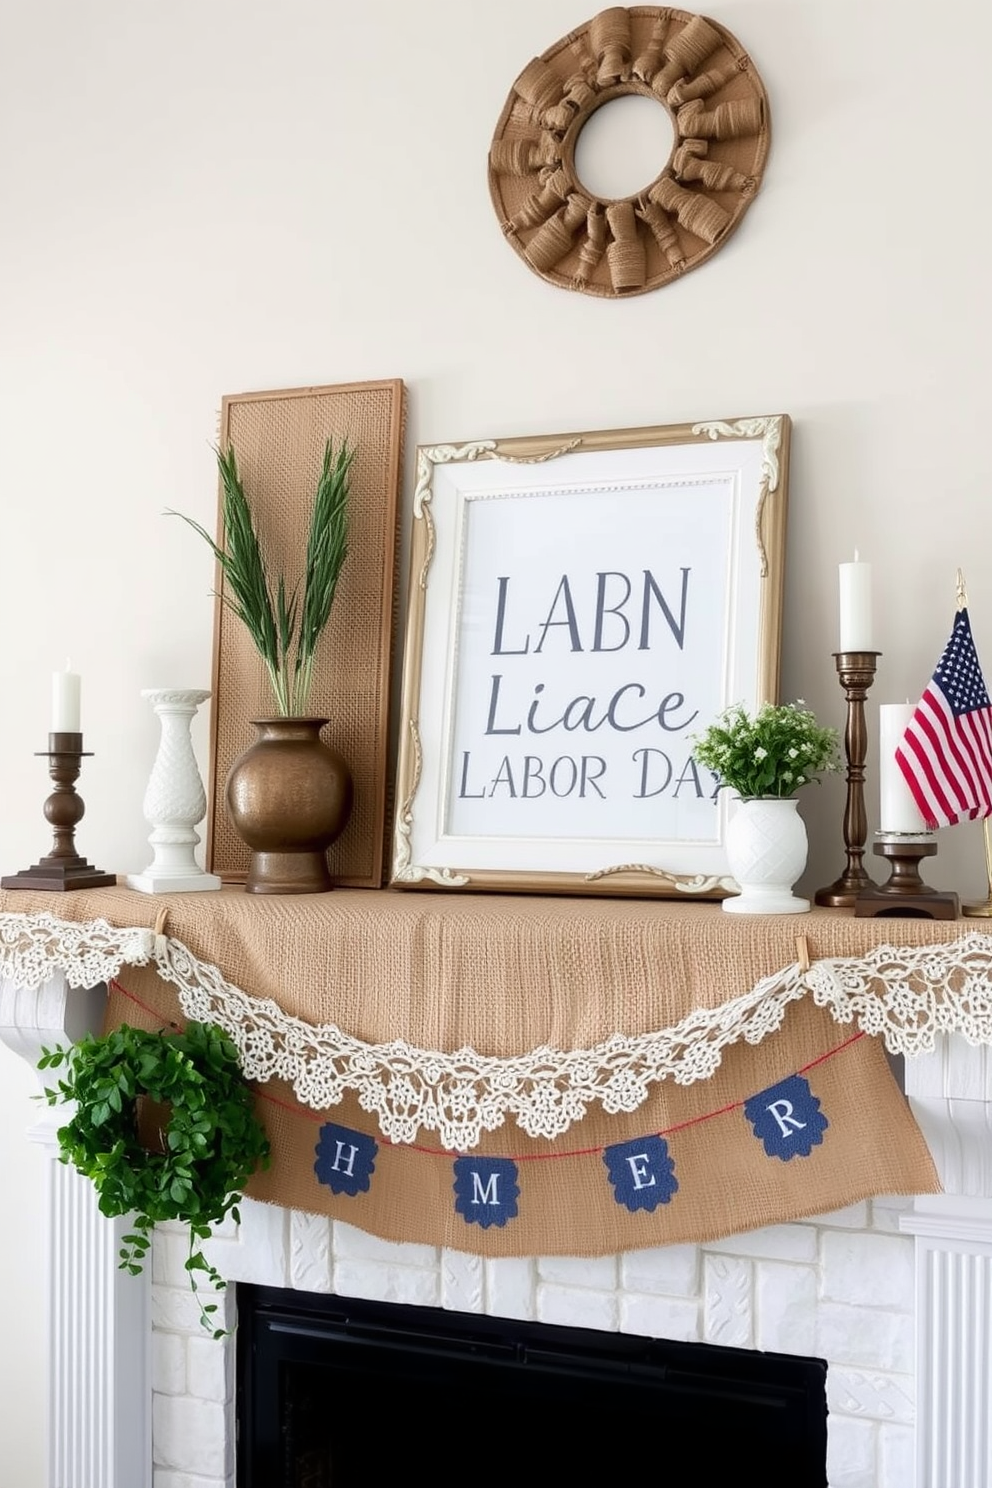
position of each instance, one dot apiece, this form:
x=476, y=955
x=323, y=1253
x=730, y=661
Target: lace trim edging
x=906, y=996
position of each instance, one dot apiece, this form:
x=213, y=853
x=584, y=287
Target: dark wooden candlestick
x=905, y=894
x=63, y=868
x=856, y=670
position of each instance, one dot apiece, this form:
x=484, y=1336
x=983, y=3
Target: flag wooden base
x=905, y=895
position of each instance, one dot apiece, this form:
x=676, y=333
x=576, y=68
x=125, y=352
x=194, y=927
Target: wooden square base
x=905, y=896
x=933, y=904
x=60, y=876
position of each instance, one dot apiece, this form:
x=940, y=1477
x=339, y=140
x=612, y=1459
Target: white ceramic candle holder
x=175, y=800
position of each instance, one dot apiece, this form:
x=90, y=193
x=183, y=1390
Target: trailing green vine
x=211, y=1139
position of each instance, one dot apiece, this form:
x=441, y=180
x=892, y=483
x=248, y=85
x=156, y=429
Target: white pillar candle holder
x=175, y=801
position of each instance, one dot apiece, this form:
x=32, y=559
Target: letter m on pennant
x=486, y=1190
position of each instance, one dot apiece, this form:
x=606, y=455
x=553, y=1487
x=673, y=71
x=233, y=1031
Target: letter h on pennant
x=345, y=1159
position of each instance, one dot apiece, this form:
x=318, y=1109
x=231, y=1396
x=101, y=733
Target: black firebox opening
x=335, y=1393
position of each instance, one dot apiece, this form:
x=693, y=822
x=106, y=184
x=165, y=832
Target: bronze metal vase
x=290, y=797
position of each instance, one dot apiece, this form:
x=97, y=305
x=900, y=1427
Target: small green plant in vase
x=765, y=757
x=769, y=753
x=289, y=794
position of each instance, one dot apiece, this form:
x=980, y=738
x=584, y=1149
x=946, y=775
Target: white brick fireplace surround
x=896, y=1294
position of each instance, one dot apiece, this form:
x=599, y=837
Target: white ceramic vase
x=766, y=851
x=175, y=800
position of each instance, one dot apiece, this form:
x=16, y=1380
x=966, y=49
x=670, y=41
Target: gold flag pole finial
x=982, y=911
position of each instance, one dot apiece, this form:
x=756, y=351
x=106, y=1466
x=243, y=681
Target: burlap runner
x=500, y=973
x=505, y=974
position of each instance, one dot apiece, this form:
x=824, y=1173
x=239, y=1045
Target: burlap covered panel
x=279, y=439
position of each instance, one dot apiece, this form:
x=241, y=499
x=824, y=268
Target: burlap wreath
x=719, y=111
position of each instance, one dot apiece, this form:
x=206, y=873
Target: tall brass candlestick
x=856, y=671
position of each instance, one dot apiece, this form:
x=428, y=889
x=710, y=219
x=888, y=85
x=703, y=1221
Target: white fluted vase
x=175, y=801
x=766, y=851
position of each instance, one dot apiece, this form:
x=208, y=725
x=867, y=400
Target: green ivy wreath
x=212, y=1144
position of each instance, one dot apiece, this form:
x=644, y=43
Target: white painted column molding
x=950, y=1092
x=98, y=1316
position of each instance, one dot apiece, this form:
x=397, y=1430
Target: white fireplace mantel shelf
x=111, y=1353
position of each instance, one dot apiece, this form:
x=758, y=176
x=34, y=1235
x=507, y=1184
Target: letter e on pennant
x=641, y=1172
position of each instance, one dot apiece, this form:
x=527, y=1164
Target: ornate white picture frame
x=580, y=606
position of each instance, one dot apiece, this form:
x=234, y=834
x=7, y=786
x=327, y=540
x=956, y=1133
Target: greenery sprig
x=284, y=625
x=771, y=753
x=213, y=1141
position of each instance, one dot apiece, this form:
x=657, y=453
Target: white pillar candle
x=855, y=606
x=898, y=811
x=65, y=702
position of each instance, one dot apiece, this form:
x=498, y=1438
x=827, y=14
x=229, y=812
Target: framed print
x=580, y=607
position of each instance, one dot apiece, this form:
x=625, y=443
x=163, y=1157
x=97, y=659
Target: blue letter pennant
x=786, y=1118
x=345, y=1159
x=486, y=1190
x=641, y=1172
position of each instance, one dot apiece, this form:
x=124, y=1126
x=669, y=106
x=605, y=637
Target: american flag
x=946, y=751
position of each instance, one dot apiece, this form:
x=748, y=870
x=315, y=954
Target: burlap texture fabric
x=502, y=973
x=505, y=974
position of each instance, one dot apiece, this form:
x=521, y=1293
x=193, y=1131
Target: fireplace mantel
x=100, y=1388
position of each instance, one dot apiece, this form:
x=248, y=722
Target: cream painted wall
x=207, y=198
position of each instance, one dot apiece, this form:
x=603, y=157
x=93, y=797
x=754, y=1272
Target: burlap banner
x=763, y=1141
x=521, y=1077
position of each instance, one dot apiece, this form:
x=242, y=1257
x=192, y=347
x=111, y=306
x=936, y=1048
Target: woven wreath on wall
x=719, y=110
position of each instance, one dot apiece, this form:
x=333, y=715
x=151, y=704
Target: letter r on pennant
x=782, y=1112
x=787, y=1119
